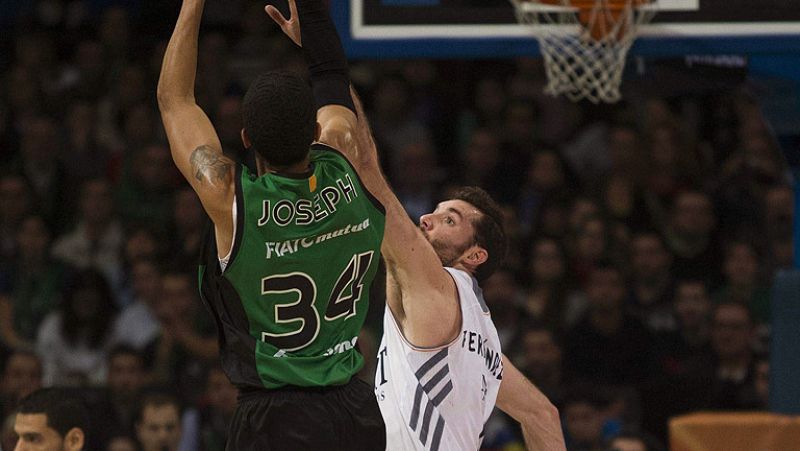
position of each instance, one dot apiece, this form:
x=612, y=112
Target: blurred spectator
x=35, y=285
x=146, y=190
x=650, y=296
x=229, y=127
x=16, y=202
x=552, y=218
x=142, y=242
x=73, y=340
x=394, y=126
x=732, y=334
x=549, y=298
x=97, y=238
x=34, y=52
x=589, y=243
x=39, y=162
x=188, y=225
x=84, y=157
x=419, y=188
x=212, y=80
x=158, y=423
x=137, y=325
x=583, y=421
x=221, y=398
x=479, y=162
x=188, y=338
x=607, y=346
x=126, y=377
x=581, y=209
x=128, y=91
x=689, y=236
x=22, y=375
x=541, y=360
x=671, y=164
x=548, y=176
x=504, y=296
x=84, y=76
x=683, y=351
x=624, y=202
x=683, y=356
x=114, y=32
x=743, y=284
x=519, y=143
x=488, y=103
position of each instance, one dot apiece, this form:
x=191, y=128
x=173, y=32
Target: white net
x=585, y=50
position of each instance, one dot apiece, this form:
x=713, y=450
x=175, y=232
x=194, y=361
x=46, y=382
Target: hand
x=290, y=27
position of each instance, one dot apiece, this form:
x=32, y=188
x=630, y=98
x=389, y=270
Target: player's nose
x=425, y=222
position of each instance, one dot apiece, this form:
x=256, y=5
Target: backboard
x=488, y=28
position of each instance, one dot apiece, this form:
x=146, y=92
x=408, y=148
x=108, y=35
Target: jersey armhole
x=238, y=216
x=432, y=348
x=223, y=261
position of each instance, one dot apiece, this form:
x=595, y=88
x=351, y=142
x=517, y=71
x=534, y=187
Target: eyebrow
x=453, y=210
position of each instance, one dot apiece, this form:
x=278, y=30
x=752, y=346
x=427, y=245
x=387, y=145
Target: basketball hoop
x=585, y=42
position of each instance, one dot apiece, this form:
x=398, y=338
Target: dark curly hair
x=280, y=117
x=489, y=231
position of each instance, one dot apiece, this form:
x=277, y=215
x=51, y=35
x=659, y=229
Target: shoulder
x=466, y=283
x=321, y=152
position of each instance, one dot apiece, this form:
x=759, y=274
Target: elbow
x=549, y=414
x=541, y=413
x=168, y=99
x=164, y=98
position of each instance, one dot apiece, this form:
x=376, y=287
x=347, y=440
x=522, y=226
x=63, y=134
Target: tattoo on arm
x=211, y=166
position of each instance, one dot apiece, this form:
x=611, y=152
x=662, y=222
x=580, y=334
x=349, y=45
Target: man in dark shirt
x=607, y=346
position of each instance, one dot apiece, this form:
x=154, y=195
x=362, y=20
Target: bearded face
x=448, y=252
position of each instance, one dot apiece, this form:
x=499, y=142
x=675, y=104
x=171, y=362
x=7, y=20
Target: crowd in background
x=644, y=235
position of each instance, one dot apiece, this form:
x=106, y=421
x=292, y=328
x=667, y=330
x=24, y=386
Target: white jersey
x=440, y=399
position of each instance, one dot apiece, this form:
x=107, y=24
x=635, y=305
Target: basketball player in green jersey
x=295, y=247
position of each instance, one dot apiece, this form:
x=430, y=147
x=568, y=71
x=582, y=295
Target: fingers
x=293, y=9
x=276, y=15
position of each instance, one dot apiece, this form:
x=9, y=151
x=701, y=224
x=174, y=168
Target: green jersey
x=292, y=299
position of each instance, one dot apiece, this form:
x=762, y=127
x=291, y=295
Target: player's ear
x=246, y=139
x=74, y=440
x=477, y=256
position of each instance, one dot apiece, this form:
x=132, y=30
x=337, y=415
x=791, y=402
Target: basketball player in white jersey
x=440, y=368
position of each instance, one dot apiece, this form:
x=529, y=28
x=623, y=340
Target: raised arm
x=195, y=146
x=422, y=295
x=520, y=399
x=327, y=66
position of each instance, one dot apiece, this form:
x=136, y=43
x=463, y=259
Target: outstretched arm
x=327, y=66
x=195, y=146
x=519, y=398
x=422, y=295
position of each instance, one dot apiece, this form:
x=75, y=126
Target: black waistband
x=250, y=393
